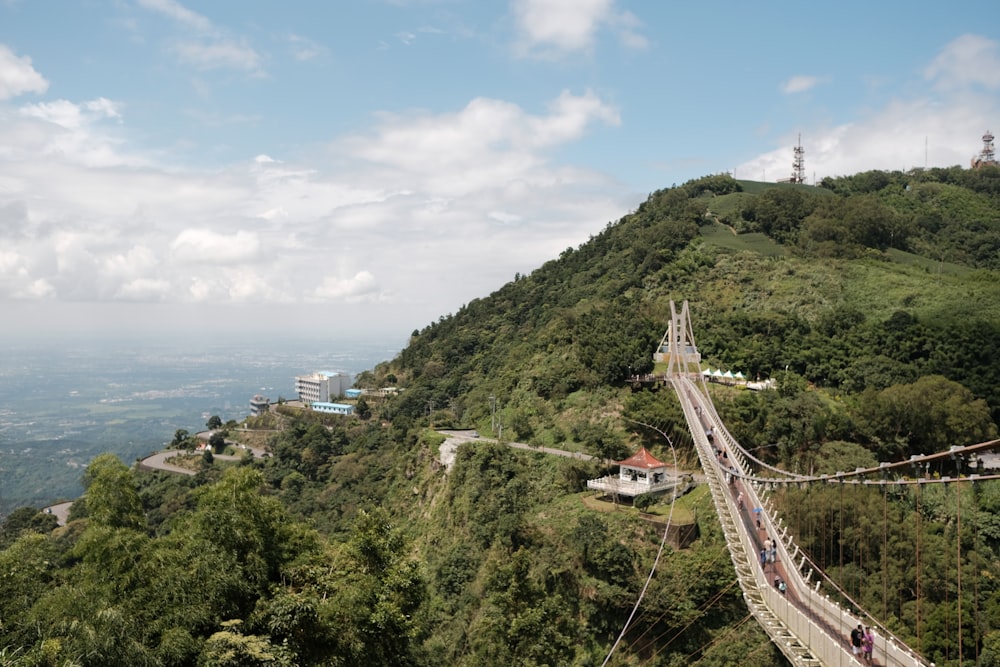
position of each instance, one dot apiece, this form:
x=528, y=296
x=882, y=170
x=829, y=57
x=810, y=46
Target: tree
x=26, y=519
x=644, y=501
x=112, y=497
x=362, y=409
x=230, y=648
x=214, y=422
x=378, y=600
x=180, y=437
x=217, y=441
x=926, y=416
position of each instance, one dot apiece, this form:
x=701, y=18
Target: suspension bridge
x=810, y=617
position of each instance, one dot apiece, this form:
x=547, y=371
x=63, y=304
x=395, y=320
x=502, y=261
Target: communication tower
x=798, y=165
x=987, y=157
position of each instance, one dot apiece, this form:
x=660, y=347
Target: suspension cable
x=958, y=563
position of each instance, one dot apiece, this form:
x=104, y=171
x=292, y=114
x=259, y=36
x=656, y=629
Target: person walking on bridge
x=857, y=638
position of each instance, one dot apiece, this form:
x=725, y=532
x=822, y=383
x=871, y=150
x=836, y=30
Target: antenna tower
x=799, y=164
x=987, y=157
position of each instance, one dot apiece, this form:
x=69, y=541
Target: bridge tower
x=677, y=348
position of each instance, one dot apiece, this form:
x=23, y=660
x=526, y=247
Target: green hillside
x=872, y=301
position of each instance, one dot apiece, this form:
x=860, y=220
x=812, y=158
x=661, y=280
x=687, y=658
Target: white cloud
x=304, y=48
x=799, y=84
x=206, y=245
x=360, y=287
x=211, y=48
x=219, y=53
x=76, y=132
x=17, y=76
x=145, y=289
x=421, y=213
x=179, y=13
x=488, y=143
x=551, y=28
x=970, y=60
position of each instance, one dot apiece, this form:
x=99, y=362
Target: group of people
x=863, y=643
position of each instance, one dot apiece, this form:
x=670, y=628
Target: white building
x=333, y=408
x=259, y=405
x=321, y=386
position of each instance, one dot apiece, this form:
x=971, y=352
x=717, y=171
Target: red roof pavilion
x=642, y=459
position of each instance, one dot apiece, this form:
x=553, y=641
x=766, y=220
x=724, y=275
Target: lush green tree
x=217, y=442
x=375, y=607
x=230, y=648
x=25, y=519
x=926, y=416
x=214, y=422
x=112, y=497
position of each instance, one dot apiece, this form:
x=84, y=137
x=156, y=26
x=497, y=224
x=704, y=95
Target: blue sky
x=366, y=167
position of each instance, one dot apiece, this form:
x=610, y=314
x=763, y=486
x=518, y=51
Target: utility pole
x=493, y=414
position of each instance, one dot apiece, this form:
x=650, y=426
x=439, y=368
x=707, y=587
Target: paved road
x=157, y=461
x=456, y=438
x=61, y=511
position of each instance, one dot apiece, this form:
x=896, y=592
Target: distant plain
x=63, y=403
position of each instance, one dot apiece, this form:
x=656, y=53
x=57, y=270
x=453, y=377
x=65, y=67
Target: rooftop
x=642, y=459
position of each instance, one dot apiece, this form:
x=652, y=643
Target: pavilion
x=640, y=473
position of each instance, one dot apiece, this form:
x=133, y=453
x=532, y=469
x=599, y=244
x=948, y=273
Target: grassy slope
x=753, y=271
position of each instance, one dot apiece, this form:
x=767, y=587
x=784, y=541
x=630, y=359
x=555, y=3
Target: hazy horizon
x=65, y=400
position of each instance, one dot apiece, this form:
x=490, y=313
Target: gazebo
x=640, y=473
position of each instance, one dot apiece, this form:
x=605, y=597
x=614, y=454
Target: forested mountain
x=872, y=301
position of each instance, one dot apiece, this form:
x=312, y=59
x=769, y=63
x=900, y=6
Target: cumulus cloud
x=550, y=28
x=17, y=76
x=76, y=132
x=421, y=210
x=489, y=142
x=970, y=60
x=799, y=84
x=941, y=126
x=359, y=287
x=206, y=245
